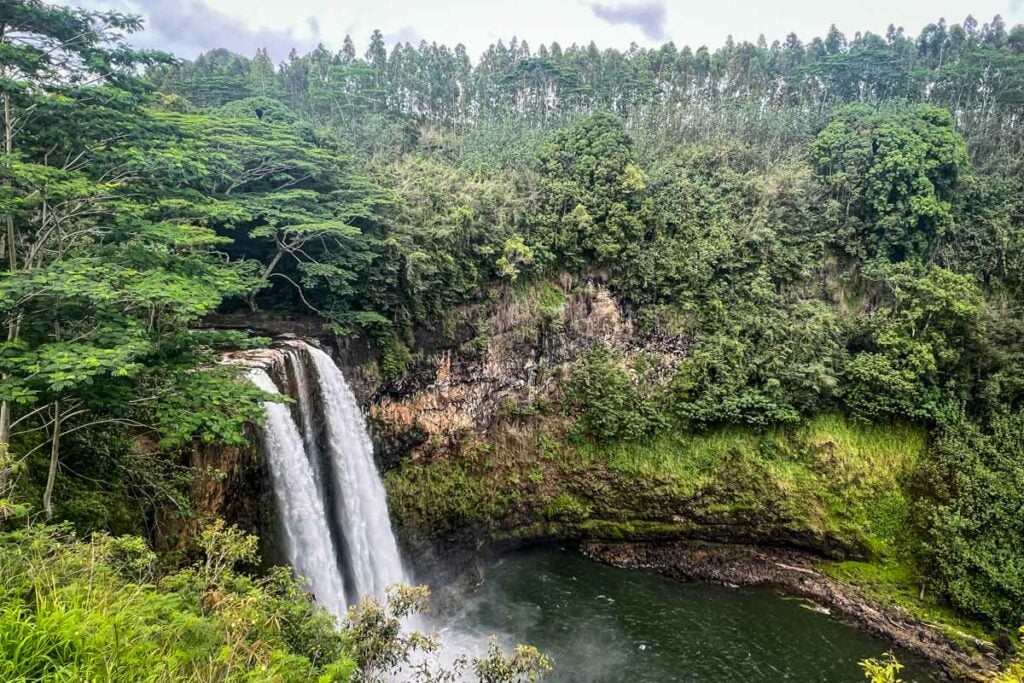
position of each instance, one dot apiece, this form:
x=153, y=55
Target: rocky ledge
x=795, y=572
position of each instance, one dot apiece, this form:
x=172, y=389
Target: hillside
x=768, y=295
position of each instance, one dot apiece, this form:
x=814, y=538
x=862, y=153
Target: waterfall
x=363, y=508
x=327, y=485
x=308, y=540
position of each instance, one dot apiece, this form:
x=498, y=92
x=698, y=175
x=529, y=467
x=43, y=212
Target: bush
x=94, y=610
x=385, y=650
x=885, y=670
x=768, y=365
x=394, y=359
x=609, y=404
x=75, y=610
x=971, y=523
x=920, y=347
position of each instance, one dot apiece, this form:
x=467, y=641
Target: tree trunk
x=273, y=263
x=12, y=324
x=266, y=275
x=51, y=477
x=5, y=460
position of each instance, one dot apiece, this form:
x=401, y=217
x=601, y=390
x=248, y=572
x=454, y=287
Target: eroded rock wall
x=510, y=360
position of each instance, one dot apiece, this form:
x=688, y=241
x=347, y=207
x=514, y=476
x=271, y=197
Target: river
x=601, y=624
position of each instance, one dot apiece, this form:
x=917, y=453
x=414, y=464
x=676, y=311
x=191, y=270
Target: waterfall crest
x=331, y=498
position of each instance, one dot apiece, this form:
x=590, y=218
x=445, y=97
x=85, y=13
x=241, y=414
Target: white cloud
x=649, y=17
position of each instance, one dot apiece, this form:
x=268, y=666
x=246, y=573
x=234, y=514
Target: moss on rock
x=832, y=485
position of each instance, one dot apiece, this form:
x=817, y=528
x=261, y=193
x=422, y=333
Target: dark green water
x=606, y=625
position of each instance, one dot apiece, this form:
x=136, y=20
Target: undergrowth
x=75, y=610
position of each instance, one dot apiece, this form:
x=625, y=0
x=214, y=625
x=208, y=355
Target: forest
x=821, y=227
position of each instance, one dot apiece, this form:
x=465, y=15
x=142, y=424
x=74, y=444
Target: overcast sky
x=187, y=27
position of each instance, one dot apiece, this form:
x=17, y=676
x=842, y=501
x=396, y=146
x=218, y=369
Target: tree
x=592, y=186
x=377, y=59
x=970, y=524
x=610, y=405
x=49, y=55
x=892, y=177
x=382, y=647
x=759, y=365
x=104, y=276
x=288, y=195
x=917, y=352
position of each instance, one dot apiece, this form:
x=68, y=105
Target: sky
x=188, y=27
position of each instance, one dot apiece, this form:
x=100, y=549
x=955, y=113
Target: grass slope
x=834, y=480
x=834, y=485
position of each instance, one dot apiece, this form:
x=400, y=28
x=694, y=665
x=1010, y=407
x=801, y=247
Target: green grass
x=449, y=495
x=549, y=299
x=689, y=461
x=892, y=582
x=834, y=479
x=566, y=507
x=862, y=471
x=831, y=476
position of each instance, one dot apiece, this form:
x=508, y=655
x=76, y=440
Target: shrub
x=394, y=359
x=610, y=406
x=971, y=523
x=81, y=610
x=384, y=649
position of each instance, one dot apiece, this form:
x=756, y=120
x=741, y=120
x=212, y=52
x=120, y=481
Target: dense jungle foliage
x=834, y=226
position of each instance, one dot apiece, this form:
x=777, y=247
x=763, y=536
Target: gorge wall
x=479, y=452
x=477, y=446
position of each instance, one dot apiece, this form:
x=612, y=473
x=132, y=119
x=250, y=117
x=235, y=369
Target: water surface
x=601, y=624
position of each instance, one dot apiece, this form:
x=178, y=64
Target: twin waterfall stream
x=331, y=499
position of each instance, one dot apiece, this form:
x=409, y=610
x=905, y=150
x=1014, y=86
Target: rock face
x=479, y=377
x=483, y=363
x=228, y=482
x=478, y=381
x=498, y=358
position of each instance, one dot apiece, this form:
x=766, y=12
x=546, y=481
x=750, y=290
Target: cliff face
x=499, y=361
x=482, y=363
x=477, y=446
x=487, y=367
x=227, y=482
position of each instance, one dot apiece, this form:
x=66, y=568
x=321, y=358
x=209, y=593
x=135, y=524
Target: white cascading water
x=307, y=536
x=307, y=408
x=363, y=508
x=299, y=462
